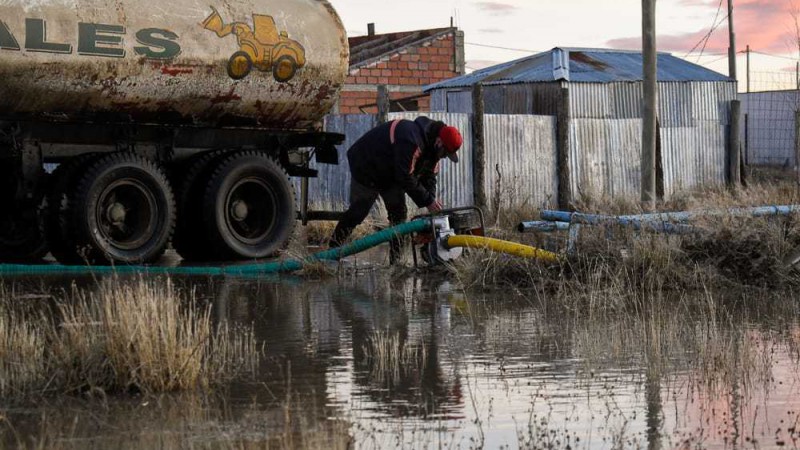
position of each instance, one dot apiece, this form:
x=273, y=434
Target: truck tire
x=249, y=207
x=58, y=230
x=189, y=237
x=124, y=210
x=22, y=237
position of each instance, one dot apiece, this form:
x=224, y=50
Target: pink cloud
x=496, y=8
x=765, y=25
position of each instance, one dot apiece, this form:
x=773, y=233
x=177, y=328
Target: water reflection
x=413, y=362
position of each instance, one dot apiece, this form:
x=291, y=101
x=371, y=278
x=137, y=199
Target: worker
x=394, y=159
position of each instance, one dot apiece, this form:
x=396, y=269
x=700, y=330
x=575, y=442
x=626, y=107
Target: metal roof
x=582, y=66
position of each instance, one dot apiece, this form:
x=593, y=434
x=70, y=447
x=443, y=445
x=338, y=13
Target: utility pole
x=748, y=68
x=732, y=48
x=650, y=57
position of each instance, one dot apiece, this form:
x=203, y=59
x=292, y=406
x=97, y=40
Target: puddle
x=381, y=362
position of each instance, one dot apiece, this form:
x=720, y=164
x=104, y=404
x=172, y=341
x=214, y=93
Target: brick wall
x=405, y=73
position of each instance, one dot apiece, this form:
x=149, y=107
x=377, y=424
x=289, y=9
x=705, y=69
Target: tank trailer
x=126, y=127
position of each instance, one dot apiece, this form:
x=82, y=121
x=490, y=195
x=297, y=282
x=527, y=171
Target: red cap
x=452, y=141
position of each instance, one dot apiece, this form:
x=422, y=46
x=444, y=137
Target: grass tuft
x=125, y=337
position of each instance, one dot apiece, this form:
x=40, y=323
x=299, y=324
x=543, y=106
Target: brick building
x=405, y=62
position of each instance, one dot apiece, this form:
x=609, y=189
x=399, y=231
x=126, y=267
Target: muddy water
x=407, y=362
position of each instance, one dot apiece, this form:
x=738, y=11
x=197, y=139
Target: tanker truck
x=177, y=122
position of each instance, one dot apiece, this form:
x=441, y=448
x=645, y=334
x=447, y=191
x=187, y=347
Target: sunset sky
x=768, y=26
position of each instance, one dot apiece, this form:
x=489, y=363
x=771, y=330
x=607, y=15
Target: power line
x=716, y=60
x=504, y=48
x=773, y=56
x=709, y=55
x=714, y=25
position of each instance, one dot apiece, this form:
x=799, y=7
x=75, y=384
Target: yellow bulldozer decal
x=262, y=47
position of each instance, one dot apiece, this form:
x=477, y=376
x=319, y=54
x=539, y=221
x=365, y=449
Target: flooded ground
x=377, y=360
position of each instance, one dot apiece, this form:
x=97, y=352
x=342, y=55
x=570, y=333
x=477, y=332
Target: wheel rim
x=126, y=214
x=250, y=210
x=285, y=69
x=239, y=65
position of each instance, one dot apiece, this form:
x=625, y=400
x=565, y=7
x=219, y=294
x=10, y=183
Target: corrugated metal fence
x=521, y=160
x=605, y=158
x=521, y=165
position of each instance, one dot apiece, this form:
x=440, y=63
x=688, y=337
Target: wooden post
x=660, y=188
x=650, y=105
x=562, y=148
x=478, y=148
x=734, y=153
x=383, y=104
x=748, y=69
x=732, y=45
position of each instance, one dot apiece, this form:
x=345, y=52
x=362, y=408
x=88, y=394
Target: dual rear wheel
x=116, y=208
x=120, y=209
x=241, y=205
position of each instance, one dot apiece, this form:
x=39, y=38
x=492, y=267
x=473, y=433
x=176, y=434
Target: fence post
x=383, y=103
x=797, y=144
x=478, y=148
x=660, y=188
x=735, y=152
x=747, y=139
x=562, y=150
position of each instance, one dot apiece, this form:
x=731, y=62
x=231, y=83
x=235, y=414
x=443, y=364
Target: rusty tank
x=273, y=65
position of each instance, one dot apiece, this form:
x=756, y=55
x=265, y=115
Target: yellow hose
x=509, y=248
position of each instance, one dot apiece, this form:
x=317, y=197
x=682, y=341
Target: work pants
x=362, y=198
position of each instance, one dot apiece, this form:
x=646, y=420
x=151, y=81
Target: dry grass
x=390, y=357
x=22, y=351
x=319, y=233
x=727, y=252
x=142, y=336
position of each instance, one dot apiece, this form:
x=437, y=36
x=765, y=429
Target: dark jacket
x=398, y=153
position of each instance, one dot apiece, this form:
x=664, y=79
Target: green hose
x=286, y=266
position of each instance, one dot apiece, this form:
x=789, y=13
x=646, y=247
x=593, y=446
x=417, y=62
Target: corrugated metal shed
x=578, y=65
x=605, y=89
x=537, y=99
